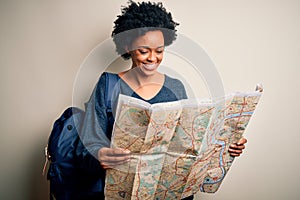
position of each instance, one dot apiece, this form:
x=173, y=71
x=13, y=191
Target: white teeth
x=150, y=66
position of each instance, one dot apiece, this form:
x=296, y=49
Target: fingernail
x=127, y=151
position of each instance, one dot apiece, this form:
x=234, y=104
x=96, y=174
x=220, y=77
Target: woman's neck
x=137, y=78
x=145, y=86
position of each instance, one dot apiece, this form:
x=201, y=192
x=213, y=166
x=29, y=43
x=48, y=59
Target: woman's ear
x=127, y=50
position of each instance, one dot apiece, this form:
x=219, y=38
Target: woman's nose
x=152, y=56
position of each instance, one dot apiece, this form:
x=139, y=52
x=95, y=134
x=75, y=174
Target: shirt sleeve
x=94, y=128
x=177, y=88
x=182, y=91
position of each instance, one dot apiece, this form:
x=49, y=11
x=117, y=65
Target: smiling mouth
x=150, y=66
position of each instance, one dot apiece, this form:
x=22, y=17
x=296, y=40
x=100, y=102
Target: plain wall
x=43, y=43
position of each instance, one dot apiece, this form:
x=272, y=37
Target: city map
x=177, y=148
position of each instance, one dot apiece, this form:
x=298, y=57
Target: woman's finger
x=113, y=156
x=238, y=147
x=239, y=151
x=235, y=154
x=117, y=152
x=107, y=164
x=242, y=141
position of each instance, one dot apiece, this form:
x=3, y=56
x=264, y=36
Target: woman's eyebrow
x=147, y=47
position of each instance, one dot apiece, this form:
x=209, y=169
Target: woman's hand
x=109, y=157
x=236, y=149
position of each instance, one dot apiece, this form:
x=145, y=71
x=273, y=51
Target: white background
x=43, y=44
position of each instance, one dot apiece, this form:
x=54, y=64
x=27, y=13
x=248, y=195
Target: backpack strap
x=112, y=89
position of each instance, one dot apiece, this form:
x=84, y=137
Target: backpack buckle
x=47, y=159
x=46, y=153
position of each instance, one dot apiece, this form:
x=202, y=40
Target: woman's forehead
x=151, y=39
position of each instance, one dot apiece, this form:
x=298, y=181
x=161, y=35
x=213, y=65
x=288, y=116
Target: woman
x=140, y=34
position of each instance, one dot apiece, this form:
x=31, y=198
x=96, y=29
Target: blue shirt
x=96, y=132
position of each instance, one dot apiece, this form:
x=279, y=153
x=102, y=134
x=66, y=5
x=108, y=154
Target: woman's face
x=147, y=52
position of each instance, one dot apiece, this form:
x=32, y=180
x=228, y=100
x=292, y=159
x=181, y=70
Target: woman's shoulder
x=107, y=75
x=104, y=79
x=110, y=74
x=174, y=82
x=176, y=86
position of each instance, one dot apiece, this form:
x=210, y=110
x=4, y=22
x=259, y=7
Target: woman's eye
x=143, y=51
x=160, y=50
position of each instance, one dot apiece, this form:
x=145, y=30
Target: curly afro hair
x=139, y=18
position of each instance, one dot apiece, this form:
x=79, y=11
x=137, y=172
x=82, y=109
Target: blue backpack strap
x=112, y=89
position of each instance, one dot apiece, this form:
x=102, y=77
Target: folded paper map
x=177, y=148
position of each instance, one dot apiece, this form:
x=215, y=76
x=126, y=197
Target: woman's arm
x=95, y=132
x=94, y=129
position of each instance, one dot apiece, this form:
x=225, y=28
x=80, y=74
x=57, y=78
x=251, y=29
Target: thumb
x=242, y=141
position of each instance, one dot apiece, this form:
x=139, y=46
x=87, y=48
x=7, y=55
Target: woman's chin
x=151, y=69
x=145, y=70
x=148, y=72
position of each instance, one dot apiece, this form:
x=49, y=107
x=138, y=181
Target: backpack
x=68, y=178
